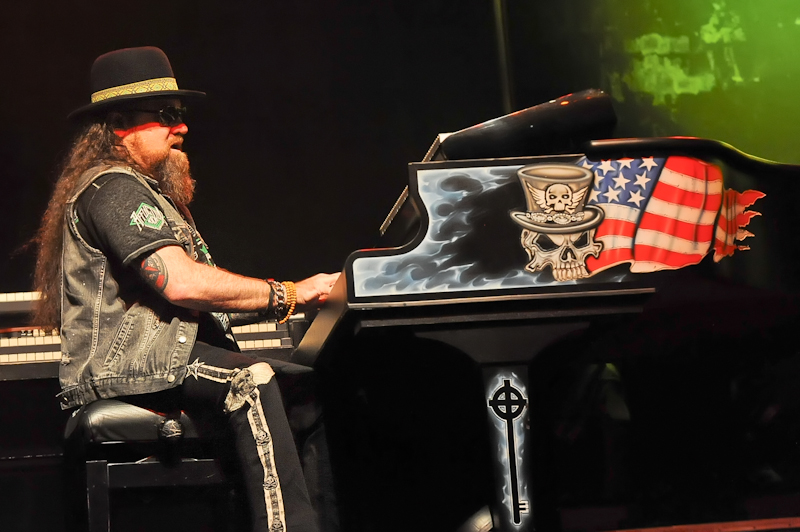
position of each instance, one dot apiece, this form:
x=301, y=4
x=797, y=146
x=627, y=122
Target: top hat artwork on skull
x=558, y=226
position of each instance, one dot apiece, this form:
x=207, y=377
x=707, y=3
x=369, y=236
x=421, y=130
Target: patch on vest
x=147, y=216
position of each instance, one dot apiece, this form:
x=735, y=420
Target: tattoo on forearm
x=154, y=272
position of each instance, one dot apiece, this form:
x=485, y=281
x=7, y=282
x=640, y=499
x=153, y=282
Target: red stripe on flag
x=743, y=219
x=723, y=246
x=608, y=259
x=616, y=227
x=678, y=196
x=684, y=230
x=733, y=217
x=666, y=258
x=748, y=197
x=612, y=255
x=670, y=241
x=694, y=167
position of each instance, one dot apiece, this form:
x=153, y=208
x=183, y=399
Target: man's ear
x=116, y=120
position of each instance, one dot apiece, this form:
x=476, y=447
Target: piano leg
x=509, y=430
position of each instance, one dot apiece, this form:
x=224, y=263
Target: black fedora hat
x=130, y=74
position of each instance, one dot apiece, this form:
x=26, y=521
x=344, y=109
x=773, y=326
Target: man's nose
x=180, y=129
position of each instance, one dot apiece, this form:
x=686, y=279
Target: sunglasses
x=168, y=116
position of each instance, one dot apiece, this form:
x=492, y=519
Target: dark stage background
x=313, y=111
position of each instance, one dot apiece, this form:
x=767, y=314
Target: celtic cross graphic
x=508, y=404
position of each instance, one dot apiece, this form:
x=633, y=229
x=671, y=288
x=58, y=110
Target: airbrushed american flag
x=665, y=213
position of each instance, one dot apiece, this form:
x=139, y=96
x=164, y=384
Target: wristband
x=283, y=300
x=270, y=309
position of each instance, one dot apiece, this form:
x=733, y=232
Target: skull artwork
x=558, y=226
x=558, y=198
x=565, y=253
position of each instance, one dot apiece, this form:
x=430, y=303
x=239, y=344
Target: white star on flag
x=606, y=166
x=624, y=163
x=612, y=194
x=648, y=162
x=642, y=180
x=636, y=198
x=620, y=181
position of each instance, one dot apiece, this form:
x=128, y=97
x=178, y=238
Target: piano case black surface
x=417, y=342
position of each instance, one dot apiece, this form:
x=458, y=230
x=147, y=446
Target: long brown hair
x=96, y=143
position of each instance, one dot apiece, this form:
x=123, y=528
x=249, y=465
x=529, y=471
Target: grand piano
x=557, y=320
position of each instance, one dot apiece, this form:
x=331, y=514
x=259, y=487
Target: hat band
x=140, y=87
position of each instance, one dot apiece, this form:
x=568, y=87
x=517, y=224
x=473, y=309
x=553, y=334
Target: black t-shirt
x=118, y=215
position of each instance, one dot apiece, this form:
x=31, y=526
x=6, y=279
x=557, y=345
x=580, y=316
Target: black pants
x=224, y=386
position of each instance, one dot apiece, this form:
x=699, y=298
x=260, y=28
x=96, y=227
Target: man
x=142, y=309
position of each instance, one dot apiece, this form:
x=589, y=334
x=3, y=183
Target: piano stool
x=114, y=445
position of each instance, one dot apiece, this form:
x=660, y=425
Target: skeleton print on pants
x=244, y=390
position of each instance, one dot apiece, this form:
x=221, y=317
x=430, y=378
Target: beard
x=174, y=177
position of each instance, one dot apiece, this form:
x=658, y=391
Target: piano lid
x=554, y=226
x=491, y=229
x=559, y=126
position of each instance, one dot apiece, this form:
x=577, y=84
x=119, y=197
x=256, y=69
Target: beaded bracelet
x=291, y=297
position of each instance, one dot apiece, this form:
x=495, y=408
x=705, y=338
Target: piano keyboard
x=18, y=302
x=29, y=345
x=29, y=353
x=264, y=335
x=32, y=353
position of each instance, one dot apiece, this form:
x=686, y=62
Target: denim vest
x=111, y=347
